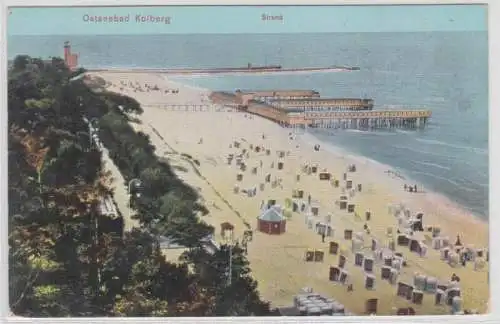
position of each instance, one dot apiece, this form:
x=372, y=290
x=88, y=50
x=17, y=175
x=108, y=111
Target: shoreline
x=454, y=210
x=276, y=261
x=379, y=167
x=342, y=152
x=376, y=166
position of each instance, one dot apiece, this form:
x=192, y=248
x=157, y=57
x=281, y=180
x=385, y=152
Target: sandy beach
x=277, y=261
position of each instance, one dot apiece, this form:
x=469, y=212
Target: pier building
x=322, y=104
x=305, y=108
x=244, y=97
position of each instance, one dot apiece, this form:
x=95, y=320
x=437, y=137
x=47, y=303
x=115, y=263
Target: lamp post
x=230, y=275
x=230, y=241
x=230, y=267
x=132, y=182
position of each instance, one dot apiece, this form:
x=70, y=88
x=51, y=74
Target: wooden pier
x=361, y=119
x=304, y=108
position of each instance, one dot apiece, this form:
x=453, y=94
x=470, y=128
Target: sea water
x=446, y=72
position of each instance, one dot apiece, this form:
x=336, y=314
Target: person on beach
x=464, y=260
x=415, y=188
x=406, y=187
x=323, y=237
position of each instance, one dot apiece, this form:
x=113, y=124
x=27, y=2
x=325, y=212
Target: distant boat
x=348, y=68
x=263, y=67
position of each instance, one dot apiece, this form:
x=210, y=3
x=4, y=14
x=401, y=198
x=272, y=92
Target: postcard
x=200, y=161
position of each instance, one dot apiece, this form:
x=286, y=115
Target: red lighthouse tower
x=71, y=60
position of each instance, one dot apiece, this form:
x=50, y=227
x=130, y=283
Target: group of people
x=410, y=188
x=137, y=87
x=397, y=175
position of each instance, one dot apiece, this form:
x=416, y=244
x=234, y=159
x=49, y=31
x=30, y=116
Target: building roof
x=272, y=215
x=321, y=100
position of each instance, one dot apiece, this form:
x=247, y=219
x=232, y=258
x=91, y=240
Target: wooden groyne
x=306, y=109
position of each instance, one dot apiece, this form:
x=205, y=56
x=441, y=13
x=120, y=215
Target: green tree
x=65, y=258
x=237, y=297
x=52, y=257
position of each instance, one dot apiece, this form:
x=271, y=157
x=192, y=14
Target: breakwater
x=246, y=70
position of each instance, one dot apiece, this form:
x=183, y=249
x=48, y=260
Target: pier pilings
x=369, y=123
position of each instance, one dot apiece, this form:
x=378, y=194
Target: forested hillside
x=65, y=258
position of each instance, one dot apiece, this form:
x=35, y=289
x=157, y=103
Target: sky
x=247, y=19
